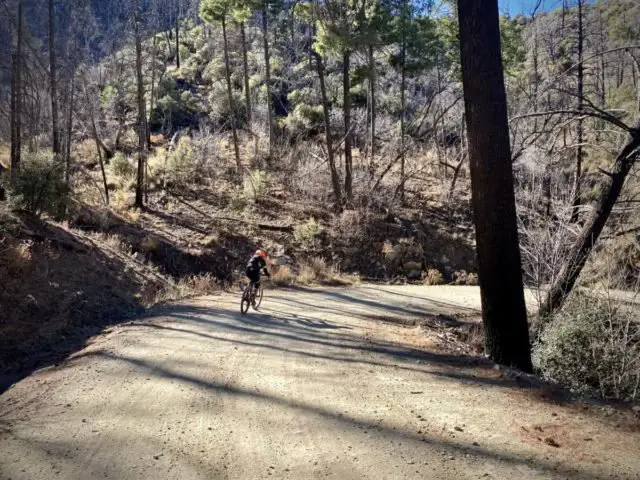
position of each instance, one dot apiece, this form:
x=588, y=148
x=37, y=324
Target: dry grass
x=150, y=243
x=109, y=241
x=473, y=336
x=283, y=276
x=205, y=284
x=313, y=272
x=433, y=277
x=461, y=277
x=14, y=260
x=5, y=155
x=211, y=241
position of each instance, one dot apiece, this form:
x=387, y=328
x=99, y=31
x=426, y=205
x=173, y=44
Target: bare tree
x=267, y=75
x=232, y=109
x=579, y=253
x=245, y=71
x=16, y=95
x=335, y=177
x=372, y=100
x=346, y=96
x=142, y=117
x=403, y=103
x=577, y=201
x=53, y=81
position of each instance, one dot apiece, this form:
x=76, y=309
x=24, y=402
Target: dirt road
x=316, y=385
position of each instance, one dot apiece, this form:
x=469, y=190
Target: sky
x=515, y=7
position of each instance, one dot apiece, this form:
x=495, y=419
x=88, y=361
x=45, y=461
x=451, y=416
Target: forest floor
x=361, y=382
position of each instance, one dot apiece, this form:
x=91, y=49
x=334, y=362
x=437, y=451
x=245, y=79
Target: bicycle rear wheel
x=246, y=299
x=258, y=301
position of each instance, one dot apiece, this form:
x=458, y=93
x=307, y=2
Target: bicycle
x=251, y=296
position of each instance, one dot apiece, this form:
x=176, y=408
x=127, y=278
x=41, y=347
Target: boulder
x=412, y=265
x=414, y=275
x=282, y=260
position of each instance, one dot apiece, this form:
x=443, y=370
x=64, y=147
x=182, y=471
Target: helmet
x=261, y=254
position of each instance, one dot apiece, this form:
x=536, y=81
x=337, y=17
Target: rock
x=636, y=409
x=282, y=260
x=551, y=442
x=414, y=275
x=412, y=265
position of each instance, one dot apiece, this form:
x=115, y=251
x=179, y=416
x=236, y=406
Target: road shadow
x=304, y=335
x=273, y=330
x=449, y=447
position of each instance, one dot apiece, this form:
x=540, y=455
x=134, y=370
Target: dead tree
x=16, y=96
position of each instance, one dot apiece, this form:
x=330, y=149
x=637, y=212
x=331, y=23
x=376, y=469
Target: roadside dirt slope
x=324, y=383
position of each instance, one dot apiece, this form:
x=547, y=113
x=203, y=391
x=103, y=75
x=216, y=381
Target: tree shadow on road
x=271, y=331
x=306, y=336
x=471, y=451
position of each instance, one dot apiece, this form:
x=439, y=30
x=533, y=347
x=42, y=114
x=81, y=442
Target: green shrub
x=39, y=187
x=237, y=203
x=307, y=234
x=174, y=108
x=592, y=346
x=220, y=109
x=181, y=164
x=303, y=118
x=256, y=185
x=8, y=221
x=121, y=167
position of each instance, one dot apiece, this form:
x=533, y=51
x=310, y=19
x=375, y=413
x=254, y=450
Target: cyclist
x=256, y=265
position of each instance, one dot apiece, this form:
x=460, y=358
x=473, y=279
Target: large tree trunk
x=12, y=110
x=348, y=158
x=603, y=71
x=536, y=71
x=177, y=41
x=96, y=139
x=53, y=82
x=142, y=129
x=67, y=161
x=335, y=177
x=94, y=131
x=577, y=257
x=153, y=90
x=372, y=87
x=16, y=138
x=503, y=307
x=403, y=107
x=267, y=74
x=245, y=71
x=577, y=196
x=232, y=109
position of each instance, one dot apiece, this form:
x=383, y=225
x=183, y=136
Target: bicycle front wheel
x=246, y=299
x=258, y=301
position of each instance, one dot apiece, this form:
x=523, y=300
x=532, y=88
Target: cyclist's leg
x=256, y=288
x=254, y=278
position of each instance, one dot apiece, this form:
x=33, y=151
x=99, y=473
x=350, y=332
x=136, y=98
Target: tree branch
x=581, y=113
